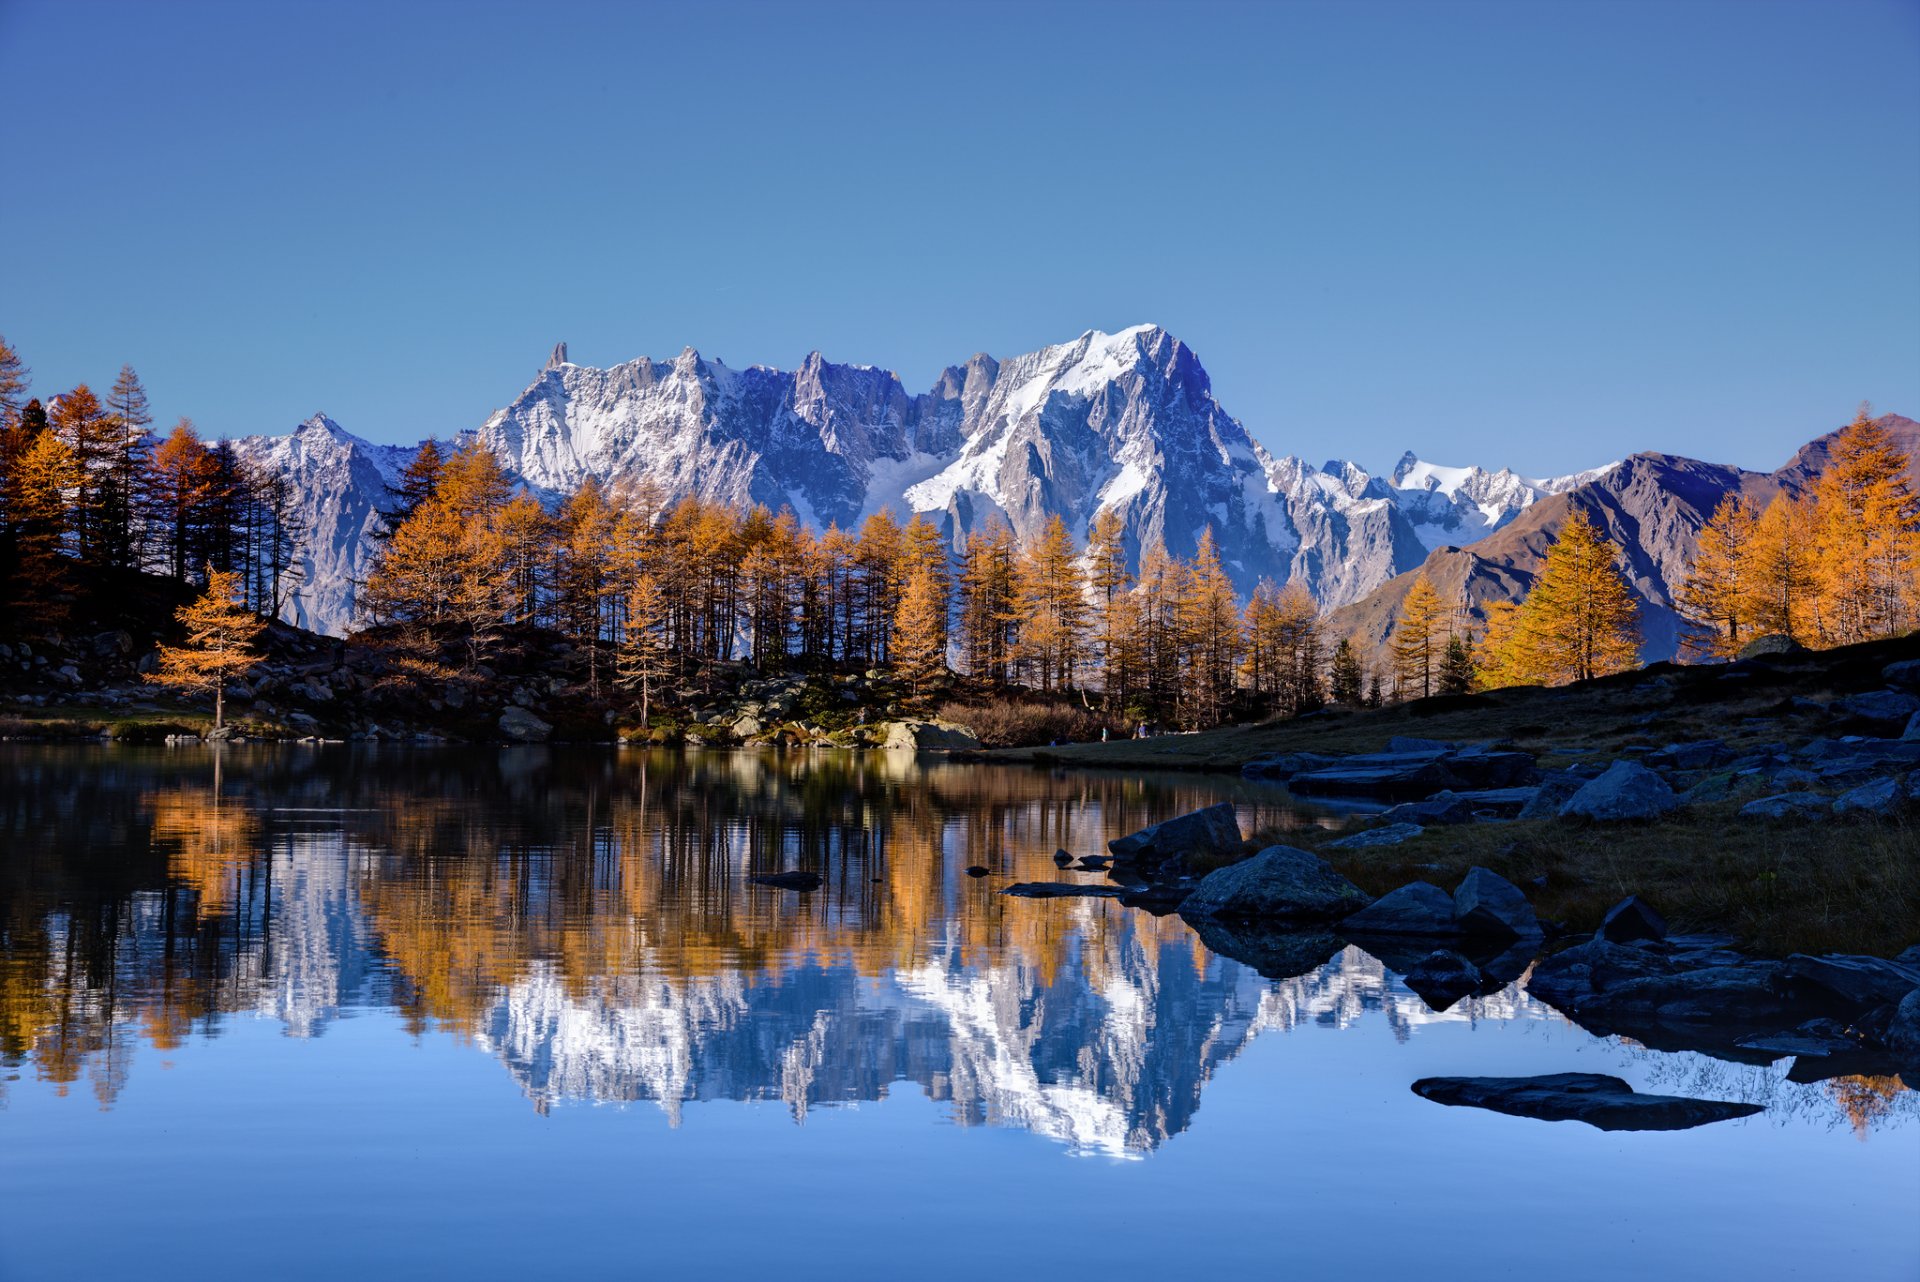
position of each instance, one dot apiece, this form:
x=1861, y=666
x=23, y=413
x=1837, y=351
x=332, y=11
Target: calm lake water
x=329, y=1013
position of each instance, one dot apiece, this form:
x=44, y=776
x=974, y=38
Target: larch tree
x=13, y=384
x=1782, y=585
x=919, y=635
x=1866, y=535
x=643, y=658
x=1456, y=666
x=221, y=643
x=179, y=475
x=1419, y=643
x=1210, y=631
x=88, y=432
x=1115, y=613
x=39, y=498
x=1282, y=667
x=1580, y=620
x=128, y=448
x=1050, y=606
x=987, y=602
x=1715, y=598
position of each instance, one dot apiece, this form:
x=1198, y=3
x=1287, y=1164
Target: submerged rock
x=1417, y=908
x=1275, y=954
x=1608, y=1103
x=1626, y=791
x=1062, y=890
x=1281, y=883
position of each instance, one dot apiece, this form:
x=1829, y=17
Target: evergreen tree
x=1210, y=630
x=179, y=477
x=88, y=432
x=1116, y=616
x=1456, y=667
x=39, y=497
x=221, y=634
x=417, y=482
x=1345, y=679
x=129, y=445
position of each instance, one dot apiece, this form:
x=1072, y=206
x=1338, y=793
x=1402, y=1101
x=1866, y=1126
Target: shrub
x=1027, y=723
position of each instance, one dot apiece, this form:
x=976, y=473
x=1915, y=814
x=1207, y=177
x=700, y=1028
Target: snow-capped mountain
x=1124, y=421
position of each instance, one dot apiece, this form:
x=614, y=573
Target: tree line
x=85, y=482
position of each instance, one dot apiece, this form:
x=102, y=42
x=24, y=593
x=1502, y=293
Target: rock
x=1488, y=904
x=1903, y=1033
x=1093, y=863
x=746, y=727
x=1773, y=645
x=1727, y=785
x=1608, y=1103
x=1503, y=803
x=1627, y=791
x=976, y=870
x=1274, y=954
x=1441, y=808
x=1905, y=672
x=1912, y=732
x=1062, y=890
x=1413, y=743
x=1417, y=908
x=1630, y=919
x=1859, y=982
x=1281, y=883
x=1881, y=797
x=939, y=736
x=1704, y=754
x=1487, y=768
x=1212, y=832
x=1284, y=765
x=1553, y=792
x=795, y=879
x=522, y=726
x=302, y=724
x=1391, y=835
x=1392, y=775
x=1787, y=805
x=1061, y=859
x=1443, y=977
x=1879, y=709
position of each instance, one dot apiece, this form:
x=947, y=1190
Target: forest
x=651, y=588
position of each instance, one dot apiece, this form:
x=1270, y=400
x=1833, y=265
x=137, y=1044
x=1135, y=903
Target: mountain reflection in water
x=585, y=918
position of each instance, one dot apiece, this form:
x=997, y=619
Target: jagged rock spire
x=557, y=359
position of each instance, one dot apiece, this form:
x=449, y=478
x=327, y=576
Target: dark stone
x=1553, y=792
x=1094, y=863
x=1878, y=709
x=1704, y=754
x=1061, y=858
x=1488, y=904
x=1443, y=977
x=1772, y=645
x=1630, y=919
x=1904, y=673
x=1627, y=791
x=1413, y=743
x=1413, y=775
x=1787, y=805
x=1607, y=1103
x=1903, y=1031
x=1213, y=832
x=1442, y=808
x=1390, y=835
x=1275, y=954
x=797, y=879
x=1858, y=982
x=1062, y=890
x=1280, y=883
x=1417, y=908
x=976, y=870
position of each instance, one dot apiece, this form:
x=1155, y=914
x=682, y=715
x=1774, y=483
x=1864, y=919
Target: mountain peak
x=557, y=358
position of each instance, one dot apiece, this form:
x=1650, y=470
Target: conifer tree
x=88, y=431
x=13, y=384
x=39, y=498
x=1578, y=622
x=1115, y=615
x=919, y=635
x=1866, y=535
x=1345, y=679
x=221, y=636
x=1716, y=596
x=1418, y=643
x=1456, y=667
x=417, y=482
x=986, y=601
x=1782, y=582
x=642, y=662
x=128, y=447
x=177, y=484
x=1210, y=631
x=1050, y=609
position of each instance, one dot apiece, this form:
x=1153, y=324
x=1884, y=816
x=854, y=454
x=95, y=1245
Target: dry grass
x=1019, y=723
x=1778, y=887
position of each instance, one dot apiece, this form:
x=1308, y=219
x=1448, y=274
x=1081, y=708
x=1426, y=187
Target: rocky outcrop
x=1488, y=904
x=522, y=726
x=1417, y=908
x=1606, y=1103
x=1212, y=833
x=1627, y=791
x=1280, y=884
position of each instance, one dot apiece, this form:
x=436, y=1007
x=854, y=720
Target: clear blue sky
x=1541, y=235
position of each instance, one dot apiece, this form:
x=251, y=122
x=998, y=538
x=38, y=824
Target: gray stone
x=1912, y=732
x=1860, y=982
x=1441, y=808
x=927, y=735
x=1210, y=832
x=1630, y=919
x=746, y=727
x=1443, y=977
x=1627, y=791
x=522, y=726
x=1607, y=1103
x=1881, y=797
x=1772, y=645
x=1273, y=953
x=1417, y=908
x=1488, y=904
x=1554, y=791
x=1905, y=672
x=1391, y=835
x=1413, y=743
x=1879, y=708
x=1903, y=1033
x=1703, y=754
x=1787, y=805
x=1280, y=883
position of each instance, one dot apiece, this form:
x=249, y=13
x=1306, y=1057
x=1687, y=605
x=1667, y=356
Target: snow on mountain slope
x=1125, y=422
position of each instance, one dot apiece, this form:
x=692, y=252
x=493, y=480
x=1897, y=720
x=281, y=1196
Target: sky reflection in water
x=339, y=1009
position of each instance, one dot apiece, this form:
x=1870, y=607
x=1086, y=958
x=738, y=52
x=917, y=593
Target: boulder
x=522, y=726
x=1443, y=977
x=1772, y=645
x=1903, y=1033
x=745, y=727
x=1441, y=808
x=1607, y=1103
x=1417, y=908
x=1062, y=890
x=1488, y=904
x=1704, y=754
x=1787, y=805
x=1284, y=765
x=1627, y=791
x=1553, y=792
x=1630, y=919
x=926, y=736
x=1391, y=835
x=1881, y=797
x=1273, y=953
x=1480, y=803
x=1488, y=768
x=1413, y=743
x=1887, y=710
x=1383, y=774
x=977, y=870
x=1212, y=832
x=1858, y=982
x=1281, y=883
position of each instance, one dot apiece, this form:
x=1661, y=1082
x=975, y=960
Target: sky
x=1529, y=235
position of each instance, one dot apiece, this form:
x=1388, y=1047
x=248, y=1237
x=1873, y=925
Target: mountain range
x=1126, y=421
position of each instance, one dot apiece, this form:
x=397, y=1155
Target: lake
x=324, y=1012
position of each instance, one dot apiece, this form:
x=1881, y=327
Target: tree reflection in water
x=586, y=917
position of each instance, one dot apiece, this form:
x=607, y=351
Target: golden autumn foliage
x=1419, y=640
x=1580, y=620
x=221, y=637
